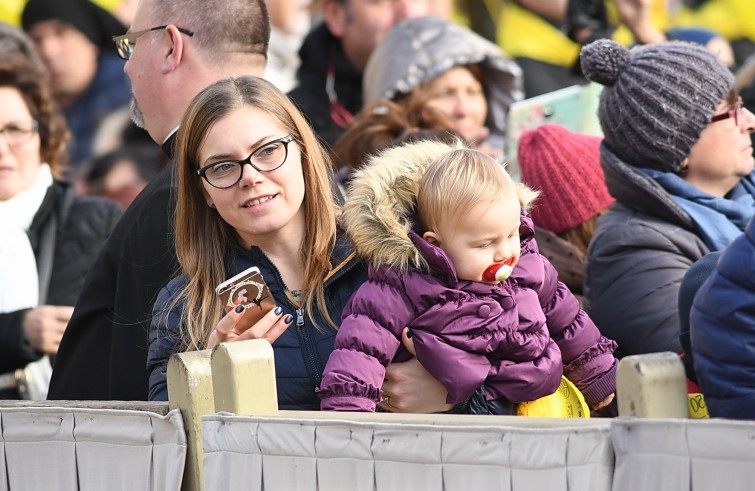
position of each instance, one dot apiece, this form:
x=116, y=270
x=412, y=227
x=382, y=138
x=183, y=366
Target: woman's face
x=19, y=157
x=459, y=95
x=723, y=154
x=263, y=207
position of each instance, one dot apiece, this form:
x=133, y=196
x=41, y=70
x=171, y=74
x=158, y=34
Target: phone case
x=249, y=289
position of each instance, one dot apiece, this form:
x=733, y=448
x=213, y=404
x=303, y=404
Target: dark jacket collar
x=169, y=145
x=639, y=191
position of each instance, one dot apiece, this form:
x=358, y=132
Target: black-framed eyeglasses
x=19, y=132
x=125, y=43
x=267, y=158
x=734, y=112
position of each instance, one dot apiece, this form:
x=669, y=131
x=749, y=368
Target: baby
x=453, y=256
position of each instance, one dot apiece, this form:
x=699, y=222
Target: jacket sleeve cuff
x=602, y=387
x=347, y=403
x=15, y=352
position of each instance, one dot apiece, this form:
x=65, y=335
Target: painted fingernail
x=289, y=319
x=409, y=333
x=277, y=311
x=239, y=309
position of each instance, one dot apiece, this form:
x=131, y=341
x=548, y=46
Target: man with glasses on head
x=174, y=49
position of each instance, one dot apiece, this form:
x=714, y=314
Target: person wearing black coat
x=51, y=234
x=677, y=157
x=334, y=55
x=323, y=64
x=103, y=354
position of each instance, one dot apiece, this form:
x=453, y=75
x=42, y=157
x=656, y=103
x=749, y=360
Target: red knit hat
x=565, y=168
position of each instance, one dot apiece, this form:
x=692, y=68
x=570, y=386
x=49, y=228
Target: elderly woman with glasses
x=50, y=234
x=254, y=190
x=677, y=157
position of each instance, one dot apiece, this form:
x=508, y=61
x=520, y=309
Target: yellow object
x=566, y=402
x=697, y=407
x=10, y=11
x=109, y=5
x=733, y=19
x=523, y=33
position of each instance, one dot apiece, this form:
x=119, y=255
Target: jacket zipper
x=307, y=344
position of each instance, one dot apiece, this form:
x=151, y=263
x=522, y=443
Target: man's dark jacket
x=103, y=353
x=319, y=49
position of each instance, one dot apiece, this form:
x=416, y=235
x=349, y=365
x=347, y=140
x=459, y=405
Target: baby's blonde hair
x=460, y=179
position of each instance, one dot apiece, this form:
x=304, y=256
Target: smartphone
x=249, y=289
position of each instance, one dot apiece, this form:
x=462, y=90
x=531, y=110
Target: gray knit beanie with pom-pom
x=657, y=99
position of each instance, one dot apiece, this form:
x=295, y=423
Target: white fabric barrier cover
x=277, y=454
x=683, y=454
x=90, y=449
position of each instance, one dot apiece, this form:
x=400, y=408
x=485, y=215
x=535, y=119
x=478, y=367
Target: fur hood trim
x=380, y=213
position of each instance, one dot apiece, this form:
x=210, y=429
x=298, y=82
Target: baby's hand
x=605, y=401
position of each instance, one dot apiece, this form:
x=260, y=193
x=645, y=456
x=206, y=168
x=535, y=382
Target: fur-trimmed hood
x=380, y=213
x=419, y=49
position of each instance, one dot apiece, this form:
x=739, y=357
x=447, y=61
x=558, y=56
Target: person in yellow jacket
x=535, y=33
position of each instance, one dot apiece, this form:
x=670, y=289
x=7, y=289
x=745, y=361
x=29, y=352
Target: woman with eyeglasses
x=677, y=157
x=254, y=190
x=50, y=234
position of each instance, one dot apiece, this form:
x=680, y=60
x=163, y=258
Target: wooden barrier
x=652, y=386
x=243, y=376
x=259, y=447
x=190, y=391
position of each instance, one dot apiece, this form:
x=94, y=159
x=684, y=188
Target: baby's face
x=487, y=234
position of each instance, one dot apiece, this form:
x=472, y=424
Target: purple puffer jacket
x=517, y=338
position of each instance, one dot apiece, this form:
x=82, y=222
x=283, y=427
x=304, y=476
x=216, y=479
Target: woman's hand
x=636, y=15
x=409, y=388
x=44, y=327
x=270, y=327
x=605, y=402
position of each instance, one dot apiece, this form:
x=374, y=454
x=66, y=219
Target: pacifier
x=498, y=271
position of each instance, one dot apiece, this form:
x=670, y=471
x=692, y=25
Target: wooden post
x=243, y=378
x=190, y=390
x=653, y=385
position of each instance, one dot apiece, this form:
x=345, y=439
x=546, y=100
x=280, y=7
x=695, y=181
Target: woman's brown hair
x=383, y=123
x=23, y=74
x=203, y=240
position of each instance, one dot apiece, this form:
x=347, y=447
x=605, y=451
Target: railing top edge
x=435, y=419
x=160, y=408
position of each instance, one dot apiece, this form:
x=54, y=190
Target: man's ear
x=432, y=238
x=174, y=49
x=335, y=16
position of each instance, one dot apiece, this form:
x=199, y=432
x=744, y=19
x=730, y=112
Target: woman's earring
x=212, y=205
